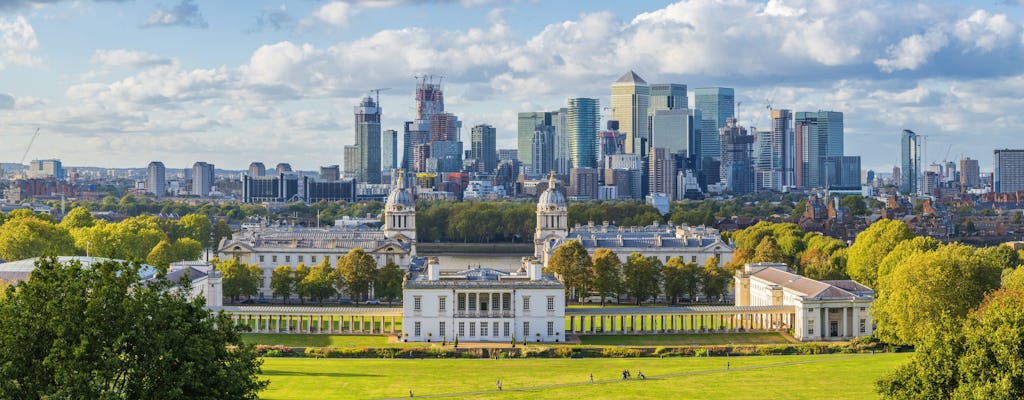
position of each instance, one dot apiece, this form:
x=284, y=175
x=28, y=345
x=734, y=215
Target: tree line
x=354, y=275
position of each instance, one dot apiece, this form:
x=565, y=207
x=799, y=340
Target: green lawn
x=840, y=376
x=684, y=340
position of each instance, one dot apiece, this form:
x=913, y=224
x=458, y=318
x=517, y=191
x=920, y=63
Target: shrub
x=620, y=352
x=387, y=352
x=565, y=352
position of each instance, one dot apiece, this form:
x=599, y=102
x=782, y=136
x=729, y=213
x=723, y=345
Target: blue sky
x=120, y=83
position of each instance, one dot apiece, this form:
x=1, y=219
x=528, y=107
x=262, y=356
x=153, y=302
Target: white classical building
x=271, y=247
x=823, y=310
x=690, y=243
x=483, y=305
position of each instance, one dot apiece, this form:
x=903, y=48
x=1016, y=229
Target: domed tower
x=400, y=216
x=552, y=221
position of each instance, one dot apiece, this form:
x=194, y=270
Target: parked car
x=597, y=299
x=373, y=302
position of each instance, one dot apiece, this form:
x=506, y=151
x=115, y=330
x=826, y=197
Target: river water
x=501, y=262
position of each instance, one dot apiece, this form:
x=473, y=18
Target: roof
x=20, y=270
x=810, y=288
x=400, y=197
x=481, y=277
x=297, y=238
x=631, y=77
x=551, y=197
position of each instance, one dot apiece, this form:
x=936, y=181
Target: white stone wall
x=429, y=317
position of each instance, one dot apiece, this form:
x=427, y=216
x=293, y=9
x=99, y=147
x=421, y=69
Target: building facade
x=716, y=104
x=202, y=179
x=156, y=179
x=630, y=105
x=483, y=305
x=737, y=167
x=483, y=146
x=910, y=161
x=970, y=174
x=1008, y=171
x=367, y=119
x=527, y=127
x=584, y=123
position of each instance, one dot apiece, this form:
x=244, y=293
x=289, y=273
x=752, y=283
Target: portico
x=324, y=320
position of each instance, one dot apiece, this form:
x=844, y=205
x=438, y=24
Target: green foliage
x=927, y=286
x=388, y=283
x=79, y=217
x=358, y=271
x=768, y=251
x=95, y=333
x=477, y=222
x=855, y=203
x=282, y=283
x=618, y=213
x=606, y=274
x=1014, y=279
x=197, y=227
x=299, y=281
x=161, y=256
x=319, y=283
x=714, y=280
x=573, y=265
x=786, y=244
x=240, y=279
x=26, y=236
x=871, y=246
x=681, y=279
x=187, y=249
x=641, y=277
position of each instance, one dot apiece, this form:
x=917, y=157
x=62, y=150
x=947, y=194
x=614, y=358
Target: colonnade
x=679, y=320
x=319, y=320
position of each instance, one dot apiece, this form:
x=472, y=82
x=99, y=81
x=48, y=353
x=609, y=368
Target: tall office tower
x=584, y=121
x=413, y=137
x=910, y=161
x=429, y=98
x=420, y=154
x=662, y=171
x=677, y=130
x=1008, y=171
x=668, y=96
x=737, y=168
x=969, y=174
x=610, y=142
x=841, y=172
x=543, y=150
x=46, y=169
x=282, y=168
x=822, y=135
x=630, y=104
x=351, y=161
x=763, y=160
x=950, y=173
x=257, y=169
x=583, y=183
x=330, y=173
x=528, y=123
x=445, y=127
x=156, y=179
x=483, y=140
x=716, y=104
x=367, y=118
x=389, y=150
x=202, y=178
x=785, y=147
x=508, y=154
x=560, y=120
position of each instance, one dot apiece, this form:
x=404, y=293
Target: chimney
x=535, y=270
x=433, y=269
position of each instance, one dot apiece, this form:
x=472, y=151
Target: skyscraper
x=528, y=123
x=330, y=172
x=716, y=104
x=785, y=151
x=282, y=168
x=560, y=120
x=257, y=169
x=969, y=174
x=630, y=104
x=543, y=150
x=389, y=150
x=202, y=179
x=483, y=140
x=367, y=118
x=822, y=136
x=737, y=168
x=676, y=130
x=156, y=180
x=910, y=161
x=445, y=127
x=662, y=171
x=1008, y=171
x=584, y=121
x=668, y=96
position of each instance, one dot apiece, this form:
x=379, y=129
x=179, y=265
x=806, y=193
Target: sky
x=120, y=83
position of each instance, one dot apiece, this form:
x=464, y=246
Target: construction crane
x=377, y=91
x=29, y=147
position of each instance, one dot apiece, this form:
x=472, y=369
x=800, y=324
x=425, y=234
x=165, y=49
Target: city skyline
x=231, y=83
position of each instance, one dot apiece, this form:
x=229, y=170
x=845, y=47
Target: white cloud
x=17, y=41
x=335, y=13
x=913, y=51
x=986, y=31
x=185, y=13
x=127, y=58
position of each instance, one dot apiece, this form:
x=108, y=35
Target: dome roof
x=401, y=197
x=551, y=197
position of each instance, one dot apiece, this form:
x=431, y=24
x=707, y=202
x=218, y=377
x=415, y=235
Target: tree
x=978, y=358
x=320, y=281
x=871, y=246
x=389, y=282
x=607, y=273
x=768, y=251
x=78, y=217
x=197, y=227
x=28, y=237
x=1014, y=279
x=572, y=264
x=187, y=249
x=681, y=279
x=97, y=333
x=299, y=284
x=926, y=286
x=855, y=203
x=641, y=277
x=714, y=280
x=358, y=269
x=221, y=231
x=240, y=279
x=282, y=283
x=161, y=256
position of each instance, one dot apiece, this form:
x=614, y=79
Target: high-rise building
x=910, y=161
x=822, y=136
x=257, y=169
x=389, y=150
x=367, y=119
x=528, y=123
x=841, y=172
x=630, y=104
x=282, y=168
x=662, y=171
x=785, y=147
x=737, y=167
x=610, y=142
x=584, y=122
x=1008, y=171
x=969, y=174
x=543, y=150
x=46, y=169
x=560, y=120
x=429, y=99
x=716, y=104
x=156, y=179
x=350, y=154
x=445, y=127
x=508, y=154
x=668, y=96
x=676, y=130
x=202, y=178
x=330, y=173
x=483, y=139
x=763, y=172
x=583, y=183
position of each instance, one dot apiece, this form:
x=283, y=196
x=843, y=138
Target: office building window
x=261, y=258
x=483, y=329
x=506, y=329
x=462, y=302
x=472, y=302
x=863, y=326
x=462, y=329
x=312, y=258
x=300, y=258
x=506, y=302
x=810, y=327
x=287, y=259
x=273, y=259
x=494, y=328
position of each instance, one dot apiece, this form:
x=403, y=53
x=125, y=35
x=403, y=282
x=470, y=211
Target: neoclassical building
x=483, y=305
x=823, y=310
x=272, y=246
x=691, y=244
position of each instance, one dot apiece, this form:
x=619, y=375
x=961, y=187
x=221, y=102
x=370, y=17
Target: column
x=842, y=325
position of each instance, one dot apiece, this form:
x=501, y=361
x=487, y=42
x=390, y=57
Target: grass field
x=840, y=376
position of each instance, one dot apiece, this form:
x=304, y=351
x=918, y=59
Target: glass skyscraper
x=910, y=161
x=367, y=116
x=716, y=105
x=821, y=137
x=630, y=104
x=584, y=121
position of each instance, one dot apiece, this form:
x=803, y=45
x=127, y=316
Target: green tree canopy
x=358, y=269
x=855, y=203
x=240, y=279
x=573, y=265
x=197, y=227
x=186, y=249
x=282, y=283
x=1014, y=279
x=78, y=217
x=320, y=281
x=681, y=279
x=27, y=237
x=641, y=277
x=871, y=246
x=71, y=332
x=768, y=251
x=606, y=276
x=161, y=256
x=714, y=280
x=388, y=285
